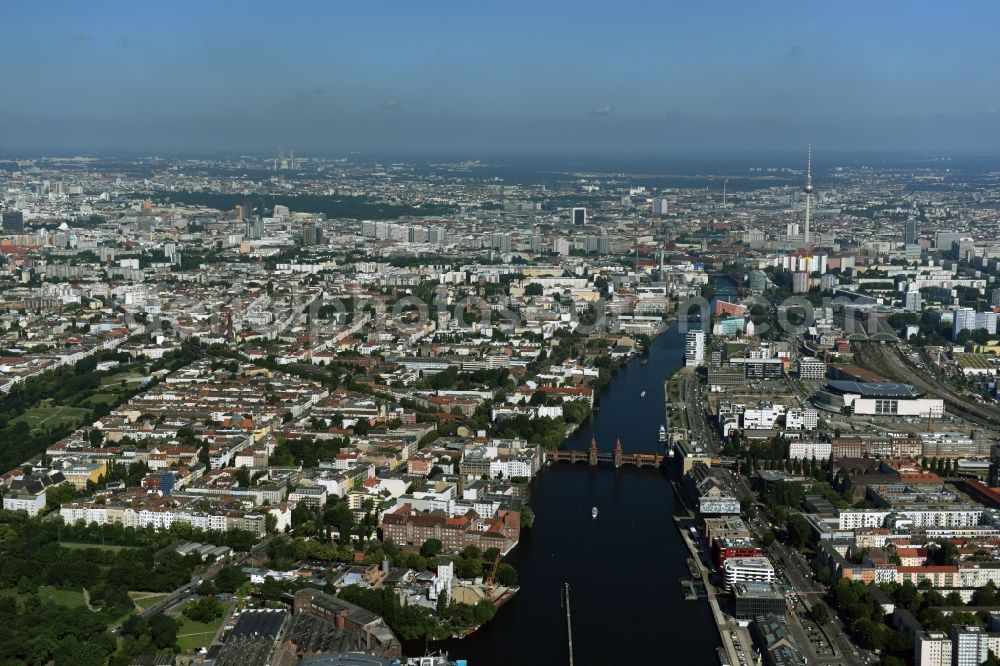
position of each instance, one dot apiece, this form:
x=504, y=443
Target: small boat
x=644, y=361
x=593, y=513
x=663, y=433
x=642, y=395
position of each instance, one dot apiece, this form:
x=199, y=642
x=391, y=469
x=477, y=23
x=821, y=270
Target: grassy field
x=146, y=600
x=37, y=417
x=86, y=546
x=101, y=399
x=69, y=598
x=114, y=382
x=194, y=635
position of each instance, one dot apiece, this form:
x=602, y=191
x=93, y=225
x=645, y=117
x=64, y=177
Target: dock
x=721, y=623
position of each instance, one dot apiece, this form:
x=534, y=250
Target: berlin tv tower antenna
x=808, y=190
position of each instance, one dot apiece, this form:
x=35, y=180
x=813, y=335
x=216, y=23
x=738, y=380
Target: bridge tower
x=618, y=453
x=592, y=452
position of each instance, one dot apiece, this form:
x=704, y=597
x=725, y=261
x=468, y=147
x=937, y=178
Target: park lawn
x=101, y=399
x=114, y=381
x=146, y=600
x=85, y=546
x=50, y=417
x=194, y=635
x=69, y=598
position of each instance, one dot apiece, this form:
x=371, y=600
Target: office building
x=253, y=228
x=910, y=232
x=694, y=348
x=579, y=216
x=311, y=234
x=746, y=569
x=753, y=599
x=811, y=368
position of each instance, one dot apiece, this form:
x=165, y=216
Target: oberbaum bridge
x=592, y=457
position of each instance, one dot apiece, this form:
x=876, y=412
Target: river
x=623, y=568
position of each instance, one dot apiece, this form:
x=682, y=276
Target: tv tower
x=808, y=189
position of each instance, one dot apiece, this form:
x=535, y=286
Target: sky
x=617, y=76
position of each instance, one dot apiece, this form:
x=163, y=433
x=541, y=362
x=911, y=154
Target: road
x=699, y=427
x=184, y=593
x=792, y=565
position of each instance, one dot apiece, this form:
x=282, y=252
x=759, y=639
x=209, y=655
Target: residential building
x=694, y=348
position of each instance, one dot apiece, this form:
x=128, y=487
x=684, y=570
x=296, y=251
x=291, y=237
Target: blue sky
x=522, y=76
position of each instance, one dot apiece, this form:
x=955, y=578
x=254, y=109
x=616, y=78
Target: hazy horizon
x=563, y=77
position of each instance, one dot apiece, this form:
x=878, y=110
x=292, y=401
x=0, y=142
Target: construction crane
x=491, y=579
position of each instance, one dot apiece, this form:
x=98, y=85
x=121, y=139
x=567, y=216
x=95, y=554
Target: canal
x=623, y=568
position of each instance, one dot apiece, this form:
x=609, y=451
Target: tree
x=163, y=630
x=207, y=588
x=484, y=611
x=506, y=575
x=204, y=610
x=271, y=589
x=229, y=579
x=243, y=477
x=527, y=516
x=431, y=548
x=820, y=614
x=533, y=289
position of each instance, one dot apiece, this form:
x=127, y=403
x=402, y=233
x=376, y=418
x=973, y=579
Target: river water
x=624, y=567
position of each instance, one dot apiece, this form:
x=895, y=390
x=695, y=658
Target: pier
x=618, y=458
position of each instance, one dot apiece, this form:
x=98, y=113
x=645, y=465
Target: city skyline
x=563, y=77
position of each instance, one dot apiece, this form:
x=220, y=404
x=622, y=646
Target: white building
x=812, y=368
x=809, y=450
x=802, y=419
x=31, y=502
x=919, y=517
x=967, y=319
x=932, y=648
x=746, y=569
x=694, y=348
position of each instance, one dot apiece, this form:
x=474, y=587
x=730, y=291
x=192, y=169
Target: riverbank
x=567, y=544
x=721, y=623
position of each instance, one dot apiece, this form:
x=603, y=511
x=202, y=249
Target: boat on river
x=593, y=513
x=642, y=395
x=663, y=433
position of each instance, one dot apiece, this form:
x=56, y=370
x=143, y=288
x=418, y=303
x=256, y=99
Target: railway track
x=887, y=360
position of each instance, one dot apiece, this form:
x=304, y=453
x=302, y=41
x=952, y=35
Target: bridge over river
x=592, y=457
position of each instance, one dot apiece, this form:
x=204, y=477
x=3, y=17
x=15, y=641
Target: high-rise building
x=800, y=282
x=694, y=348
x=994, y=476
x=912, y=301
x=967, y=319
x=13, y=220
x=970, y=646
x=994, y=297
x=932, y=648
x=910, y=232
x=311, y=234
x=660, y=206
x=579, y=216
